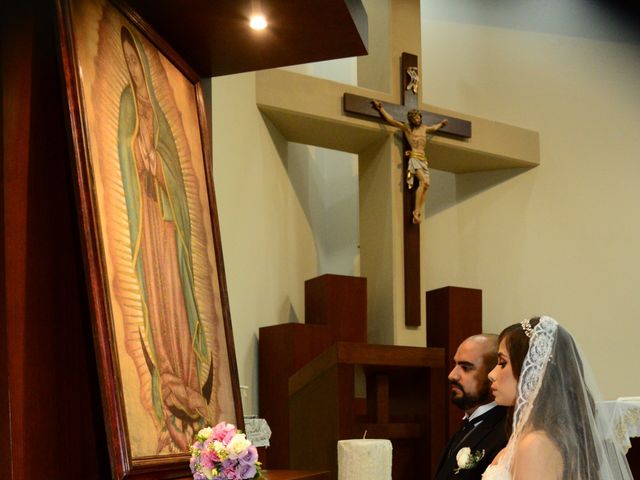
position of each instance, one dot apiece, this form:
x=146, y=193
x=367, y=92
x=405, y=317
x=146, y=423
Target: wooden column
x=340, y=302
x=453, y=314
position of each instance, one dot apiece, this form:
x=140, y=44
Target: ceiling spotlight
x=258, y=22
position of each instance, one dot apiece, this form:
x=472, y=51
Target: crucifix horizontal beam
x=359, y=105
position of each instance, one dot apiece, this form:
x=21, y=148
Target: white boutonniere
x=467, y=460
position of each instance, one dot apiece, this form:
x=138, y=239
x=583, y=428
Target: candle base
x=366, y=459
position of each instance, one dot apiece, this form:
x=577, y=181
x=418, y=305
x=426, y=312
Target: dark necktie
x=461, y=435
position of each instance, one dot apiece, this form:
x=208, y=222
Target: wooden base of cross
x=456, y=128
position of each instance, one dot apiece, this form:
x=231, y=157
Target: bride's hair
x=563, y=407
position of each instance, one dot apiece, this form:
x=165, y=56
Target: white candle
x=368, y=459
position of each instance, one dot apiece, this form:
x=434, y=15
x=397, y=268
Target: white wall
x=561, y=239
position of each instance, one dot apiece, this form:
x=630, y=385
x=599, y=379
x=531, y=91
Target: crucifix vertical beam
x=411, y=230
x=456, y=128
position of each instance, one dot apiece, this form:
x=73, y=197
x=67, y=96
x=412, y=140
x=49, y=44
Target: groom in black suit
x=482, y=434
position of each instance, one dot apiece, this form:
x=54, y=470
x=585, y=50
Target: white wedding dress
x=496, y=472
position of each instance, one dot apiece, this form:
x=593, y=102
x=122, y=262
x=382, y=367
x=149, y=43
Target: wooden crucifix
x=454, y=127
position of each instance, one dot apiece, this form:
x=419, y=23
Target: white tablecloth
x=622, y=420
x=257, y=431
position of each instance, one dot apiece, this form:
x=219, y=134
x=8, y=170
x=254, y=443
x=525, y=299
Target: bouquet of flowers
x=223, y=453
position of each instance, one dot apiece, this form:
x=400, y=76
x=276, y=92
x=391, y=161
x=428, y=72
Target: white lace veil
x=557, y=395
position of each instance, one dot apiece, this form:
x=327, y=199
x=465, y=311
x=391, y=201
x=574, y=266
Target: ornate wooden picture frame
x=152, y=249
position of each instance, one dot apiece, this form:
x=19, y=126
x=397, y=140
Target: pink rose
x=223, y=432
x=231, y=473
x=208, y=458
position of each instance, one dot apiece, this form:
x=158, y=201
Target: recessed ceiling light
x=258, y=22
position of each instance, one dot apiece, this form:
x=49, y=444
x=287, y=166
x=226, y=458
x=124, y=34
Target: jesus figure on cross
x=416, y=134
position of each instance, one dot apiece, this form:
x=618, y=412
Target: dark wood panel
x=389, y=355
x=373, y=358
x=411, y=260
x=340, y=302
x=393, y=431
x=633, y=455
x=283, y=349
x=214, y=36
x=50, y=359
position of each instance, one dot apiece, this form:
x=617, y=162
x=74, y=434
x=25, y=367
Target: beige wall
x=562, y=239
x=266, y=240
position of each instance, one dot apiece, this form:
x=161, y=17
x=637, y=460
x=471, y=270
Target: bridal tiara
x=526, y=326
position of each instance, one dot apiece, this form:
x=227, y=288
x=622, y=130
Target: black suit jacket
x=490, y=436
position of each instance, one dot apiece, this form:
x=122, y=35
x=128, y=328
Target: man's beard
x=467, y=401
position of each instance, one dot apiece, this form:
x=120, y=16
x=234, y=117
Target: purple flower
x=250, y=456
x=246, y=471
x=229, y=463
x=231, y=473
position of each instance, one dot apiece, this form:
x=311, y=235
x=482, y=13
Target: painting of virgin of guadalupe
x=164, y=312
x=173, y=344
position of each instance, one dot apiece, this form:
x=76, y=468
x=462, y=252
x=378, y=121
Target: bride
x=556, y=430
